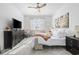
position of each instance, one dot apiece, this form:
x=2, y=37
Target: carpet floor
x=25, y=47
x=45, y=51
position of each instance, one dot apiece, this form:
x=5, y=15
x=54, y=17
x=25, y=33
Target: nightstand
x=72, y=45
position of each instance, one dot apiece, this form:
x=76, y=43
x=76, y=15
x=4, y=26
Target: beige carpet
x=47, y=51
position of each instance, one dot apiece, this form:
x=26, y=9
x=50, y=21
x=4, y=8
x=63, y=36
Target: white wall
x=7, y=11
x=73, y=10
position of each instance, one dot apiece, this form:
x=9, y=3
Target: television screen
x=16, y=23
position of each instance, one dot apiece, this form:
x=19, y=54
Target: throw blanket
x=45, y=36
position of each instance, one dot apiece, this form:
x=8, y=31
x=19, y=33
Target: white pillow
x=69, y=32
x=59, y=33
x=55, y=33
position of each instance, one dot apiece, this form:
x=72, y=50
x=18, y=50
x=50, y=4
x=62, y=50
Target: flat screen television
x=16, y=23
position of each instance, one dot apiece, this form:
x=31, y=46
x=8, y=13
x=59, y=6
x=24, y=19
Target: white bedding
x=53, y=41
x=57, y=38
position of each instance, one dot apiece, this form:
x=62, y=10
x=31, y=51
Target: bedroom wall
x=7, y=11
x=47, y=21
x=73, y=10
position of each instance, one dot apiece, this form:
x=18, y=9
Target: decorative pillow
x=69, y=32
x=62, y=33
x=55, y=33
x=49, y=34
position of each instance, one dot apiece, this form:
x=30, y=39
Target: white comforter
x=53, y=41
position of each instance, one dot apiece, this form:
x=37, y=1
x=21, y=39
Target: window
x=37, y=24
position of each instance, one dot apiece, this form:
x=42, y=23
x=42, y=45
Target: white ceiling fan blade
x=43, y=5
x=32, y=7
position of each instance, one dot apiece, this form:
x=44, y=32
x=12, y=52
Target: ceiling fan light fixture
x=38, y=6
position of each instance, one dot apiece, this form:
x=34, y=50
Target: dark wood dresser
x=72, y=45
x=18, y=36
x=12, y=38
x=8, y=39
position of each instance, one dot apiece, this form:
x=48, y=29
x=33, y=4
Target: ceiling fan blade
x=43, y=5
x=32, y=7
x=38, y=5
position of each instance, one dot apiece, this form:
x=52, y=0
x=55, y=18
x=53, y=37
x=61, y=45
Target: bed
x=53, y=41
x=57, y=39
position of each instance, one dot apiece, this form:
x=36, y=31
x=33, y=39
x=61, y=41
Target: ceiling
x=49, y=9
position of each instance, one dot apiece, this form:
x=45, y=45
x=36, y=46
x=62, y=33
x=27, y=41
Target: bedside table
x=72, y=45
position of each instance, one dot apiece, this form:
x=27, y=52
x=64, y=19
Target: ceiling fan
x=38, y=6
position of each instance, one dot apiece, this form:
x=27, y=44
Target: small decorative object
x=7, y=29
x=74, y=35
x=77, y=30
